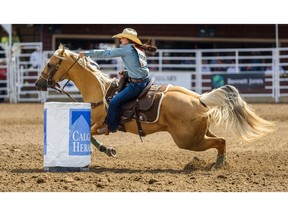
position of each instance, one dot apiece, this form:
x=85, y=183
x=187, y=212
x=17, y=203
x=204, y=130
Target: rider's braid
x=147, y=47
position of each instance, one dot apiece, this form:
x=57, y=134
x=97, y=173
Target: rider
x=133, y=54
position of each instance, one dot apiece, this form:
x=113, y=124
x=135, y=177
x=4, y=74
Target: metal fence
x=4, y=75
x=259, y=73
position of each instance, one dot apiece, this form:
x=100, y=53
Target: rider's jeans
x=132, y=90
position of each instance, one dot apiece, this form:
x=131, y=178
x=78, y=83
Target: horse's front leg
x=110, y=151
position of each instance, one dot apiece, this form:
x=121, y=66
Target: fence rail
x=197, y=70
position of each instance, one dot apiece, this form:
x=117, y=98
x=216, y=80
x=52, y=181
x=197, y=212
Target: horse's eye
x=49, y=65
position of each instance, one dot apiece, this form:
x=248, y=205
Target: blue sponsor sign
x=45, y=131
x=240, y=81
x=79, y=132
x=218, y=80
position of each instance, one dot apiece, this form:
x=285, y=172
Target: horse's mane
x=88, y=64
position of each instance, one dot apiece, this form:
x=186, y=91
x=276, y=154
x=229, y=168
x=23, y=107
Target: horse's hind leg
x=221, y=157
x=210, y=133
x=211, y=141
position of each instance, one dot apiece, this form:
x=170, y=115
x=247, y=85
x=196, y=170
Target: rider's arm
x=109, y=53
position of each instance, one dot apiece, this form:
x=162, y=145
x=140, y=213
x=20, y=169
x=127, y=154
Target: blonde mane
x=88, y=64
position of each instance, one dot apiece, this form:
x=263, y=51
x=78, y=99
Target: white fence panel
x=4, y=73
x=282, y=73
x=27, y=61
x=198, y=67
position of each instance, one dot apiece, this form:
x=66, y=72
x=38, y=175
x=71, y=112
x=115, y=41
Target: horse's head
x=54, y=71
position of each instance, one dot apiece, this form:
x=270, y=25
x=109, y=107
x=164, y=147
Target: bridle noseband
x=51, y=73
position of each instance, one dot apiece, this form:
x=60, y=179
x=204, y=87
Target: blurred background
x=200, y=57
x=164, y=36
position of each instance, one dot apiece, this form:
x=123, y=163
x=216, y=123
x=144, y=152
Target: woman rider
x=133, y=54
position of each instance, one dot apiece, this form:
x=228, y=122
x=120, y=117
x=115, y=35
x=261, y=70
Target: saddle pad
x=150, y=115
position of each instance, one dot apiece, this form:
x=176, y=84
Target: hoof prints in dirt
x=155, y=165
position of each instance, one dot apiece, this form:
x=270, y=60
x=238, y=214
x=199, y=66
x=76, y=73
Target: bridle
x=54, y=85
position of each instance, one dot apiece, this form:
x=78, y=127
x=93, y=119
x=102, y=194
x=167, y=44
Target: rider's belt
x=138, y=80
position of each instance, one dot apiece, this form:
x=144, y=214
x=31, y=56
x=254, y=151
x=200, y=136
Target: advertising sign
x=240, y=81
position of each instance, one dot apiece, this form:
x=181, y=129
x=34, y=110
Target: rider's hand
x=81, y=54
x=121, y=74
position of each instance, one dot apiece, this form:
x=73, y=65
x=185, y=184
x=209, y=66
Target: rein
x=61, y=91
x=54, y=85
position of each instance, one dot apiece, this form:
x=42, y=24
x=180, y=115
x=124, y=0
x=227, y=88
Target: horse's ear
x=63, y=49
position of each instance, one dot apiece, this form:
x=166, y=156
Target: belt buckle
x=137, y=80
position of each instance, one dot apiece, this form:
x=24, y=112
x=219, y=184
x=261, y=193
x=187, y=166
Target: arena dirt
x=156, y=165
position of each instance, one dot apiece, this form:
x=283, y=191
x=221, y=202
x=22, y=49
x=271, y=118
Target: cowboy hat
x=130, y=34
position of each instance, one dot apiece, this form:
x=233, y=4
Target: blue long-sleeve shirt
x=129, y=56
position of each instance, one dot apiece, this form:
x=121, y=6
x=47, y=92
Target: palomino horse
x=185, y=114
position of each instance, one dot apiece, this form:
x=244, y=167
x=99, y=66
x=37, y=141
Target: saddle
x=144, y=108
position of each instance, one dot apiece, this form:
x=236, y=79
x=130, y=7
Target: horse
x=185, y=114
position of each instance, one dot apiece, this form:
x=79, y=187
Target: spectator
x=153, y=65
x=16, y=50
x=270, y=70
x=256, y=61
x=205, y=66
x=166, y=61
x=3, y=76
x=219, y=68
x=15, y=37
x=247, y=69
x=232, y=68
x=216, y=63
x=189, y=60
x=35, y=59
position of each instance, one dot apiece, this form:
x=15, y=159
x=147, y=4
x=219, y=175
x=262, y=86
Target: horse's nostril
x=39, y=84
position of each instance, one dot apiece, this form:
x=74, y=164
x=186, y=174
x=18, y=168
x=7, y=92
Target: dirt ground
x=156, y=165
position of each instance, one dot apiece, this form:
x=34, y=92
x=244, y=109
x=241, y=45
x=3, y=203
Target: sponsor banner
x=183, y=79
x=67, y=134
x=240, y=81
x=177, y=78
x=79, y=132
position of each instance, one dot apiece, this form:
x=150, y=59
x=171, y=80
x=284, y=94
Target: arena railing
x=197, y=70
x=5, y=85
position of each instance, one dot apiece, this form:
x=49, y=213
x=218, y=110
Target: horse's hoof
x=216, y=166
x=110, y=151
x=220, y=162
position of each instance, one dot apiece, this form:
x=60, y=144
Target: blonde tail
x=226, y=105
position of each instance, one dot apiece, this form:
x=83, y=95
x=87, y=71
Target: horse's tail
x=226, y=105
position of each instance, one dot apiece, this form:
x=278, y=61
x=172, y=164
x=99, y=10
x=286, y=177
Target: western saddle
x=144, y=108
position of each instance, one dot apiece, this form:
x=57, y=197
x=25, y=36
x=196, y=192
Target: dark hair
x=148, y=48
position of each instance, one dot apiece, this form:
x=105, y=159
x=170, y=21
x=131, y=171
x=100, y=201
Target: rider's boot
x=103, y=130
